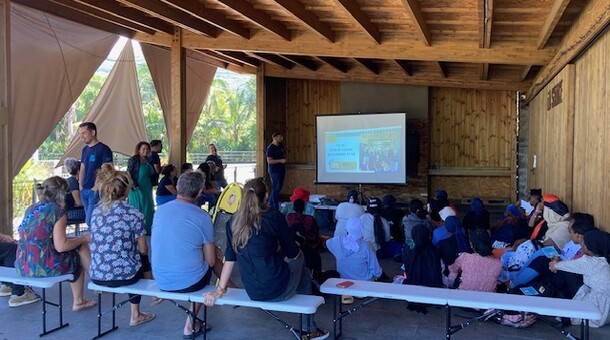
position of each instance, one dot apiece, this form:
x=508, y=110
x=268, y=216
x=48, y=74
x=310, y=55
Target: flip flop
x=156, y=301
x=84, y=306
x=147, y=317
x=197, y=333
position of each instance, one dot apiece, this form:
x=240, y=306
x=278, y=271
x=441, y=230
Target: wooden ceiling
x=487, y=44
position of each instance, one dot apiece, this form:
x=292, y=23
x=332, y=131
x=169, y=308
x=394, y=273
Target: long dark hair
x=598, y=243
x=416, y=207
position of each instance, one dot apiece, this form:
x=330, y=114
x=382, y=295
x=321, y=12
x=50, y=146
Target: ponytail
x=378, y=229
x=248, y=216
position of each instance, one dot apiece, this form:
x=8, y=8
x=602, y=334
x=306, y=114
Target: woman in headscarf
x=451, y=247
x=356, y=259
x=478, y=216
x=479, y=270
x=422, y=262
x=417, y=215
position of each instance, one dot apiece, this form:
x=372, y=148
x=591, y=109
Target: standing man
x=95, y=153
x=219, y=175
x=155, y=147
x=276, y=159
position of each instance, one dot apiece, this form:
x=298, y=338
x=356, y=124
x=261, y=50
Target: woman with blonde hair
x=44, y=250
x=270, y=263
x=119, y=253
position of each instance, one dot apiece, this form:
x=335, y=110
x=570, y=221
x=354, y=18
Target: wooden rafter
x=180, y=19
x=308, y=18
x=303, y=61
x=130, y=14
x=311, y=45
x=485, y=11
x=222, y=58
x=274, y=59
x=241, y=57
x=484, y=70
x=525, y=72
x=369, y=64
x=551, y=21
x=335, y=63
x=198, y=55
x=260, y=18
x=412, y=7
x=104, y=16
x=199, y=11
x=404, y=66
x=76, y=16
x=440, y=68
x=594, y=18
x=361, y=18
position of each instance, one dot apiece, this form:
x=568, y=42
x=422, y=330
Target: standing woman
x=166, y=190
x=141, y=171
x=269, y=260
x=119, y=253
x=44, y=250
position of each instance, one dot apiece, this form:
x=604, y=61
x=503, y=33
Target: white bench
x=298, y=304
x=9, y=274
x=301, y=304
x=457, y=298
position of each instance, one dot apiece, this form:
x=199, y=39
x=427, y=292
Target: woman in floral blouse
x=119, y=253
x=44, y=249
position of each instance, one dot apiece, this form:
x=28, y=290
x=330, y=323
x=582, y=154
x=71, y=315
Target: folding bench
x=8, y=274
x=299, y=304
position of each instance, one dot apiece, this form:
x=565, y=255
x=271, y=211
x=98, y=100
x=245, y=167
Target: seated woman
x=166, y=189
x=140, y=195
x=477, y=217
x=417, y=215
x=595, y=269
x=451, y=247
x=119, y=253
x=421, y=260
x=356, y=259
x=479, y=270
x=511, y=227
x=43, y=248
x=376, y=231
x=269, y=260
x=73, y=204
x=209, y=193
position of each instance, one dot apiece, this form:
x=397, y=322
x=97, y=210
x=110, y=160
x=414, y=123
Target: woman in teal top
x=140, y=195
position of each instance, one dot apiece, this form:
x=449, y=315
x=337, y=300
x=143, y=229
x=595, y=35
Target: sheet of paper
x=526, y=206
x=529, y=290
x=550, y=252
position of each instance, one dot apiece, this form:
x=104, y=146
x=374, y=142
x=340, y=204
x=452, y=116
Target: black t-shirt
x=154, y=159
x=72, y=185
x=161, y=189
x=263, y=270
x=220, y=174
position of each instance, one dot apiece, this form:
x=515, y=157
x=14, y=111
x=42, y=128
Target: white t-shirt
x=368, y=229
x=344, y=212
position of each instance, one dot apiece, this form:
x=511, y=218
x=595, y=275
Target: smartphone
x=344, y=284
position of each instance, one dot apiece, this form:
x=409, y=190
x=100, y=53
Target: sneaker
x=318, y=334
x=24, y=299
x=5, y=290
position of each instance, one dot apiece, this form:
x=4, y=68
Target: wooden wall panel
x=551, y=137
x=474, y=130
x=591, y=180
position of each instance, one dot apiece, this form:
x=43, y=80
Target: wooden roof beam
x=485, y=11
x=369, y=64
x=551, y=21
x=484, y=70
x=440, y=68
x=180, y=19
x=274, y=59
x=303, y=61
x=308, y=18
x=199, y=11
x=335, y=63
x=525, y=72
x=412, y=7
x=128, y=13
x=594, y=18
x=353, y=45
x=104, y=16
x=221, y=57
x=241, y=57
x=404, y=65
x=361, y=18
x=258, y=17
x=76, y=16
x=204, y=58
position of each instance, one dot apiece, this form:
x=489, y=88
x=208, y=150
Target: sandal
x=197, y=333
x=84, y=306
x=155, y=301
x=146, y=317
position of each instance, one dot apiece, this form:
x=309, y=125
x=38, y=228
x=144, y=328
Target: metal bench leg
x=290, y=328
x=115, y=306
x=337, y=311
x=44, y=312
x=448, y=322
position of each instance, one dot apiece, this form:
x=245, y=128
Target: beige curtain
x=199, y=77
x=117, y=110
x=52, y=60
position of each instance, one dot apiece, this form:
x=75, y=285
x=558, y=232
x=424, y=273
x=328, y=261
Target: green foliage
x=23, y=184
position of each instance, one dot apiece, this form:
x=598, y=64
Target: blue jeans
x=277, y=182
x=90, y=198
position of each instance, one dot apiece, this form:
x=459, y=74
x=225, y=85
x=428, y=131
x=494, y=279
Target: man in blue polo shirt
x=95, y=153
x=276, y=159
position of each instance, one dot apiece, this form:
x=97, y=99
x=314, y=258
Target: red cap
x=299, y=193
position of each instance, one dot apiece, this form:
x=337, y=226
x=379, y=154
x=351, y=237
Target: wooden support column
x=261, y=123
x=177, y=135
x=6, y=165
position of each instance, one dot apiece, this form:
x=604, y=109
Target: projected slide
x=368, y=151
x=361, y=148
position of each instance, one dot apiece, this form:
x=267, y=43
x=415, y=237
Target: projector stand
x=360, y=194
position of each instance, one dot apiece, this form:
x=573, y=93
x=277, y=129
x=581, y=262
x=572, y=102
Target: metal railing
x=196, y=158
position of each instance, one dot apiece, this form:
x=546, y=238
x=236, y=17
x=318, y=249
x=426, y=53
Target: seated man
x=19, y=296
x=183, y=250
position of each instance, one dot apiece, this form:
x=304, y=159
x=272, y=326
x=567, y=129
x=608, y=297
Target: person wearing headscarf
x=478, y=216
x=345, y=211
x=511, y=227
x=356, y=259
x=557, y=217
x=479, y=270
x=595, y=268
x=451, y=247
x=417, y=215
x=440, y=233
x=422, y=262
